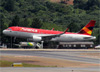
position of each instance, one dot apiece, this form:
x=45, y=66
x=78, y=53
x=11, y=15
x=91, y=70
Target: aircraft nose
x=4, y=31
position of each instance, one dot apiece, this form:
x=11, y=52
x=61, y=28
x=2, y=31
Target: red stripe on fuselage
x=38, y=31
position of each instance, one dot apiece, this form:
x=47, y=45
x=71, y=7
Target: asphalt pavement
x=67, y=55
x=73, y=55
x=28, y=69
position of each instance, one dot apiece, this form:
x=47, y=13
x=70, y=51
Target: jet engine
x=37, y=39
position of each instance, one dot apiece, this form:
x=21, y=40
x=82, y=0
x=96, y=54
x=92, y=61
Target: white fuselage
x=61, y=38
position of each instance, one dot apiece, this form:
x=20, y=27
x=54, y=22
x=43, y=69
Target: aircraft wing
x=49, y=37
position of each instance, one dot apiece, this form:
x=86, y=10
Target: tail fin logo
x=88, y=28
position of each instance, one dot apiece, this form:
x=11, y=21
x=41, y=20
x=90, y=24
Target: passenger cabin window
x=9, y=29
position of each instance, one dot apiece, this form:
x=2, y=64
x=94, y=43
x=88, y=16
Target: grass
x=5, y=63
x=9, y=64
x=30, y=65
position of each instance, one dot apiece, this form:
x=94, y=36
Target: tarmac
x=28, y=69
x=63, y=54
x=76, y=55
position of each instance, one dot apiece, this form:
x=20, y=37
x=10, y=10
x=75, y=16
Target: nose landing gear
x=40, y=46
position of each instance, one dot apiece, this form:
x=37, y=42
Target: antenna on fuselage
x=52, y=29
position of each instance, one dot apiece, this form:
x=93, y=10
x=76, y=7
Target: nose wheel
x=40, y=45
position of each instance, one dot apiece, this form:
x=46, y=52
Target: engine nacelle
x=37, y=39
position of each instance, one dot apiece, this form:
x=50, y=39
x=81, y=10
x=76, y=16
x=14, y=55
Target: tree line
x=47, y=15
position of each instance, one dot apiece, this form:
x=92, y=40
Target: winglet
x=66, y=30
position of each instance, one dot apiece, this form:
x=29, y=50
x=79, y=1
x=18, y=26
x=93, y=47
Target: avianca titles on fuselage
x=37, y=35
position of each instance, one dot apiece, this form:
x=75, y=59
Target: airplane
x=38, y=35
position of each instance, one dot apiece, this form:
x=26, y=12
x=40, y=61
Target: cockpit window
x=9, y=29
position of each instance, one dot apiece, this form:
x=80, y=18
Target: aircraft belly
x=22, y=34
x=69, y=38
x=64, y=38
x=27, y=35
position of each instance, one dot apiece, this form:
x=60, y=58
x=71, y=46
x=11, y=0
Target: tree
x=80, y=4
x=73, y=27
x=10, y=5
x=3, y=39
x=37, y=23
x=25, y=22
x=1, y=28
x=93, y=3
x=98, y=39
x=15, y=21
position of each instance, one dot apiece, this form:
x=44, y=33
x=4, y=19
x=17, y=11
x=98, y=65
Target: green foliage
x=31, y=65
x=50, y=26
x=9, y=64
x=10, y=5
x=37, y=23
x=82, y=4
x=93, y=3
x=3, y=25
x=5, y=63
x=15, y=21
x=25, y=22
x=87, y=4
